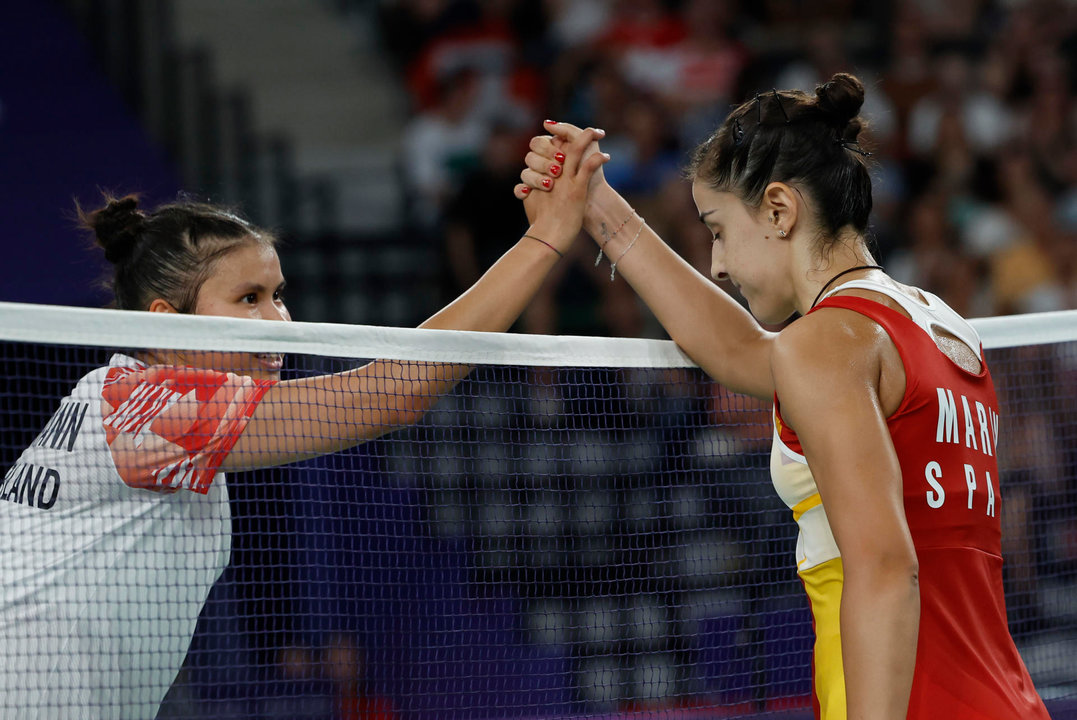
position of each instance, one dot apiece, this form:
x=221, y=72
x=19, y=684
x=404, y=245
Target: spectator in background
x=490, y=37
x=408, y=26
x=615, y=61
x=1023, y=273
x=824, y=53
x=927, y=261
x=701, y=73
x=574, y=23
x=966, y=95
x=478, y=213
x=649, y=151
x=907, y=73
x=441, y=144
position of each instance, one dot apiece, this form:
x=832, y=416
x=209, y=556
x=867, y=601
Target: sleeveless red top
x=945, y=432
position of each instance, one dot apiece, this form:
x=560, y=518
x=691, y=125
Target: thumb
x=591, y=164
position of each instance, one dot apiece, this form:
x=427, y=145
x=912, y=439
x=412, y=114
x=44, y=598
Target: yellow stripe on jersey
x=823, y=584
x=805, y=505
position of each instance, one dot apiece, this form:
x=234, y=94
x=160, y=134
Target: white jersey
x=114, y=526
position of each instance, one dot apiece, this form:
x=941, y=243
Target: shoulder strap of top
x=935, y=314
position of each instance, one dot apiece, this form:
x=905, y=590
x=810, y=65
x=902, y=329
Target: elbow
x=907, y=566
x=894, y=569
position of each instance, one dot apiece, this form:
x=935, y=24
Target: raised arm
x=704, y=321
x=312, y=416
x=827, y=371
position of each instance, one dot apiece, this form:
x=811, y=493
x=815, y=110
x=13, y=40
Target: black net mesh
x=548, y=542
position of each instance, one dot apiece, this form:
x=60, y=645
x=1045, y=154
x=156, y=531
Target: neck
x=845, y=254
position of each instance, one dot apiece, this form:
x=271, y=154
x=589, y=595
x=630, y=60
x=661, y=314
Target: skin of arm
x=827, y=370
x=303, y=418
x=702, y=319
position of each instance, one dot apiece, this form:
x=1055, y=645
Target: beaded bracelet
x=613, y=265
x=609, y=236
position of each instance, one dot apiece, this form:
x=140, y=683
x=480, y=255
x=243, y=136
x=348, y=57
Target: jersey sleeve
x=170, y=428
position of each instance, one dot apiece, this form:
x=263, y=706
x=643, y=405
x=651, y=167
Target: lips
x=270, y=361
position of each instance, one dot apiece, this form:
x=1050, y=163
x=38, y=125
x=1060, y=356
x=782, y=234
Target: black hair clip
x=855, y=147
x=759, y=107
x=781, y=107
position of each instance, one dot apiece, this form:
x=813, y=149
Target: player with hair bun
x=115, y=521
x=885, y=416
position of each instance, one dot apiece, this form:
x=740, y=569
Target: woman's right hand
x=545, y=161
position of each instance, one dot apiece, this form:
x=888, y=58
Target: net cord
x=62, y=325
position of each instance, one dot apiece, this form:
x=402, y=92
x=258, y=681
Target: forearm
x=496, y=300
x=316, y=415
x=492, y=304
x=880, y=617
x=704, y=321
x=311, y=416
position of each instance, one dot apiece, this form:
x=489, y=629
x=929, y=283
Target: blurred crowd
x=971, y=127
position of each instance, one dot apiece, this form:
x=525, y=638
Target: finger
x=544, y=165
x=591, y=164
x=535, y=180
x=576, y=149
x=521, y=191
x=563, y=130
x=542, y=144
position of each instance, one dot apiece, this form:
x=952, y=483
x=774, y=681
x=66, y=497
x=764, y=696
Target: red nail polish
x=525, y=190
x=555, y=170
x=546, y=182
x=559, y=157
x=550, y=122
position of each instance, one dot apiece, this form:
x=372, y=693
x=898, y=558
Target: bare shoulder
x=833, y=338
x=829, y=359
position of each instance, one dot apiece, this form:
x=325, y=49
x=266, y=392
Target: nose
x=277, y=311
x=717, y=265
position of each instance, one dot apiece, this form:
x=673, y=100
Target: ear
x=781, y=207
x=162, y=305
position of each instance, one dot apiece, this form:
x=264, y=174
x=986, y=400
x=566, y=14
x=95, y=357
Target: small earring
x=781, y=233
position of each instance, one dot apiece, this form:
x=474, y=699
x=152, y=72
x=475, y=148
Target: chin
x=770, y=316
x=259, y=367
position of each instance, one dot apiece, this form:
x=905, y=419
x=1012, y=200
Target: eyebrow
x=703, y=216
x=250, y=287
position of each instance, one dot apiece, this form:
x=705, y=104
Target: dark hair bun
x=841, y=98
x=117, y=227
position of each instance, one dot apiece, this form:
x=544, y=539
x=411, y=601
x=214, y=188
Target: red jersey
x=945, y=433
